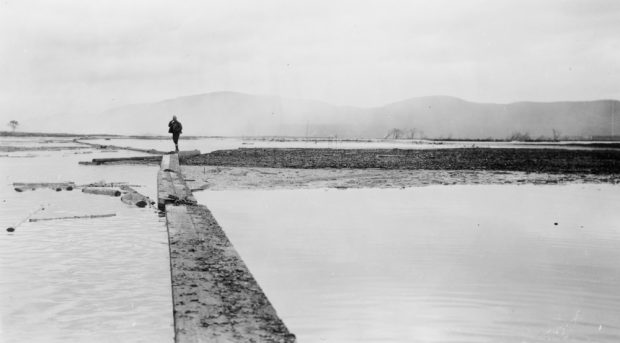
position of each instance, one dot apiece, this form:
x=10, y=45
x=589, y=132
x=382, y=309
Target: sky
x=82, y=57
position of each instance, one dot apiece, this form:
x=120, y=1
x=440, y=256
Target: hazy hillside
x=229, y=113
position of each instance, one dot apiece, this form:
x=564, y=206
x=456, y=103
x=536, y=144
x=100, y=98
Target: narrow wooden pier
x=215, y=297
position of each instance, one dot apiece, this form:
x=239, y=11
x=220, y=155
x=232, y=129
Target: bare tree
x=412, y=133
x=520, y=137
x=13, y=124
x=395, y=134
x=556, y=135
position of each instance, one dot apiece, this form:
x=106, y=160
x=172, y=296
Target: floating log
x=100, y=146
x=98, y=161
x=102, y=191
x=120, y=185
x=25, y=186
x=131, y=197
x=74, y=217
x=12, y=228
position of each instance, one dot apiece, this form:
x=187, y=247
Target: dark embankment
x=526, y=160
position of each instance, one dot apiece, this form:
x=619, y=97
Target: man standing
x=175, y=128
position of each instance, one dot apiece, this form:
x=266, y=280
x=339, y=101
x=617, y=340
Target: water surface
x=434, y=264
x=80, y=280
x=206, y=145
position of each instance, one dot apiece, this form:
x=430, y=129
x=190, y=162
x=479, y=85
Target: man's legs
x=175, y=139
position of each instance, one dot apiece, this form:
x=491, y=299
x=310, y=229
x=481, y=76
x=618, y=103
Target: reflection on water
x=434, y=264
x=86, y=280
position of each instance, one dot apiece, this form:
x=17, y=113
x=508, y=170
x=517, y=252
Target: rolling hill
x=238, y=114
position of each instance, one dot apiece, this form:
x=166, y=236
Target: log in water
x=74, y=217
x=102, y=191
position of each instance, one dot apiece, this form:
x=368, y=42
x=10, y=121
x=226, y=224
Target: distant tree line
x=13, y=124
x=404, y=134
x=414, y=133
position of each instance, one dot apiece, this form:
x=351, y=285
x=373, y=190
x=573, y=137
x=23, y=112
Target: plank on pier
x=170, y=163
x=172, y=188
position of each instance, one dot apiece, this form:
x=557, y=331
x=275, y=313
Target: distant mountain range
x=237, y=114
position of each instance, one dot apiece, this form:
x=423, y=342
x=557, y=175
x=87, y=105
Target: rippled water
x=80, y=280
x=434, y=264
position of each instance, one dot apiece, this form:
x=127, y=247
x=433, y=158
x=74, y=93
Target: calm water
x=430, y=264
x=211, y=144
x=86, y=280
x=434, y=264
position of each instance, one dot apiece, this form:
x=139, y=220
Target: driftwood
x=25, y=186
x=120, y=185
x=12, y=228
x=74, y=217
x=98, y=161
x=131, y=197
x=103, y=146
x=102, y=191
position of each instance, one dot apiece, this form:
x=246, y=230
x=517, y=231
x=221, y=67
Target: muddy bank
x=605, y=161
x=228, y=178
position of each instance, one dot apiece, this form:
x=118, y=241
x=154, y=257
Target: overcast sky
x=87, y=56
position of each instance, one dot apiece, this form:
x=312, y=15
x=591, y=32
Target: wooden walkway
x=215, y=297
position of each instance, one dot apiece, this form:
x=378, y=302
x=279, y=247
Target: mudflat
x=330, y=168
x=594, y=161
